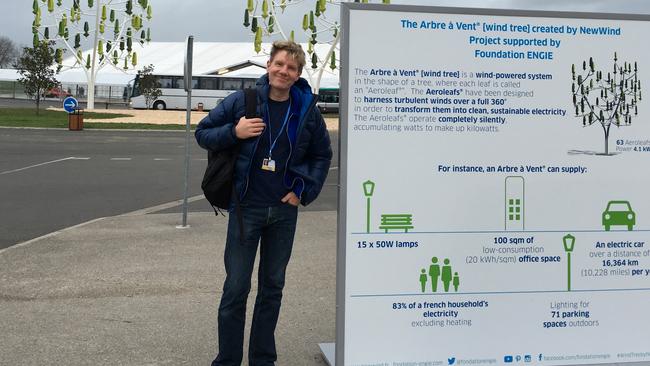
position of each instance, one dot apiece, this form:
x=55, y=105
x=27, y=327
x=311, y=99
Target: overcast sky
x=221, y=20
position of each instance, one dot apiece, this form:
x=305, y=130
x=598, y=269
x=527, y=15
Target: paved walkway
x=136, y=290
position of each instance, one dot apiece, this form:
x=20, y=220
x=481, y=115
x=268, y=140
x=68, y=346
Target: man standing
x=283, y=161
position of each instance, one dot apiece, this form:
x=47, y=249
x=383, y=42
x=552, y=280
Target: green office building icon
x=514, y=203
x=514, y=209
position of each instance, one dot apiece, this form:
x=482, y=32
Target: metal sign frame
x=346, y=9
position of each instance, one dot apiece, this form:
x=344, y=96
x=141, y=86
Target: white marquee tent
x=224, y=58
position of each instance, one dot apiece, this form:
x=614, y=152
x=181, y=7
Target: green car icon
x=619, y=213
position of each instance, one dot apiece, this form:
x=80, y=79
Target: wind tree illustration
x=109, y=28
x=606, y=99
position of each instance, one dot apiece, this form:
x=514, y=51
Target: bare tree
x=8, y=52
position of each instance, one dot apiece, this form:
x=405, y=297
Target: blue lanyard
x=286, y=118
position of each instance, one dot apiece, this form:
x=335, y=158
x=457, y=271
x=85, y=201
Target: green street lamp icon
x=568, y=240
x=368, y=190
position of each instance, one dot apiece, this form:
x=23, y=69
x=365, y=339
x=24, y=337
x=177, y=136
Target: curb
x=140, y=212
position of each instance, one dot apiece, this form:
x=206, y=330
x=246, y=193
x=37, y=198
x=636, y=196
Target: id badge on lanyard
x=268, y=164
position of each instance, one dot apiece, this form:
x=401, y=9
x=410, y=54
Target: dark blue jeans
x=273, y=228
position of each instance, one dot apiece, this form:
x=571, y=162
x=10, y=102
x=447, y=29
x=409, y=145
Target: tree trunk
x=93, y=71
x=38, y=102
x=606, y=130
x=90, y=104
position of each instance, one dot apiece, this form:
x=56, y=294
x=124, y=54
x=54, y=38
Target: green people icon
x=439, y=273
x=423, y=280
x=434, y=273
x=446, y=275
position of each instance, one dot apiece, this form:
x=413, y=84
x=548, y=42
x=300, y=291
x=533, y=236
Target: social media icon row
x=518, y=358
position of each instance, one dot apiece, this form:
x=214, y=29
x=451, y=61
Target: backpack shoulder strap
x=251, y=112
x=251, y=102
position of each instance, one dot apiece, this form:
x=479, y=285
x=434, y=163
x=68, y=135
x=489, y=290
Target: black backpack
x=217, y=181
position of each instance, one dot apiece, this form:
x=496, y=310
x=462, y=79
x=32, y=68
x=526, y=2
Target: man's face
x=283, y=71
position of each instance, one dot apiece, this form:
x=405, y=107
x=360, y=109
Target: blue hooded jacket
x=310, y=151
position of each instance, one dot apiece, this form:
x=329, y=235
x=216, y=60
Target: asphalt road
x=53, y=179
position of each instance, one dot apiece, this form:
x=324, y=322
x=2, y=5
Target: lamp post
x=568, y=240
x=368, y=190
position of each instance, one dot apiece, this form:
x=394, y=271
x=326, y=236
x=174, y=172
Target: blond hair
x=293, y=49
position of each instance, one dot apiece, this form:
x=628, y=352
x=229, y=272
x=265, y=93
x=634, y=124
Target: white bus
x=207, y=91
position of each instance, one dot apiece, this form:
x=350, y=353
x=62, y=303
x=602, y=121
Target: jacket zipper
x=286, y=164
x=300, y=127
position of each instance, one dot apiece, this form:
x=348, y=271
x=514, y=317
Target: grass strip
x=21, y=117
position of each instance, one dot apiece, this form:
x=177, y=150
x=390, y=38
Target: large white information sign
x=495, y=187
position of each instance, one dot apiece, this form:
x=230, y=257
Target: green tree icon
x=606, y=99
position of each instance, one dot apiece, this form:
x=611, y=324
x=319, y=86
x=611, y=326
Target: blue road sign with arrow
x=70, y=104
